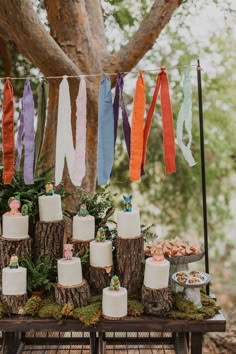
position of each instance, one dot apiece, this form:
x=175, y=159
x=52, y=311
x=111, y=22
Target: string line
x=95, y=75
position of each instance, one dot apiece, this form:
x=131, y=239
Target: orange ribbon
x=167, y=122
x=136, y=144
x=8, y=132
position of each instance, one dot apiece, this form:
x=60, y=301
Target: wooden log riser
x=157, y=302
x=75, y=295
x=80, y=248
x=14, y=303
x=100, y=278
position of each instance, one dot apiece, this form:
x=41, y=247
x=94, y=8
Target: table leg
x=93, y=343
x=12, y=343
x=102, y=343
x=196, y=342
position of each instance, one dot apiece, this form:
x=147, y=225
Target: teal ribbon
x=185, y=119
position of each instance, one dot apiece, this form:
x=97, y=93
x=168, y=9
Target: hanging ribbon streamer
x=64, y=139
x=8, y=132
x=167, y=122
x=105, y=131
x=42, y=92
x=136, y=146
x=81, y=121
x=185, y=119
x=19, y=140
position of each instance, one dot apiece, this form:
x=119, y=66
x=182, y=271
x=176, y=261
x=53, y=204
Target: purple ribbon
x=26, y=130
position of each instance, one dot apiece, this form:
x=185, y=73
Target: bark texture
x=8, y=247
x=81, y=248
x=75, y=295
x=129, y=261
x=157, y=302
x=14, y=303
x=49, y=239
x=100, y=278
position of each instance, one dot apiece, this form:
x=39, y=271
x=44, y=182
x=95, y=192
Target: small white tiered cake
x=14, y=278
x=128, y=220
x=69, y=268
x=14, y=224
x=83, y=225
x=101, y=251
x=50, y=205
x=156, y=275
x=114, y=300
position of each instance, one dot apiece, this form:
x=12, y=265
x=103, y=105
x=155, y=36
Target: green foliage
x=38, y=273
x=33, y=306
x=67, y=310
x=89, y=315
x=50, y=309
x=135, y=308
x=3, y=310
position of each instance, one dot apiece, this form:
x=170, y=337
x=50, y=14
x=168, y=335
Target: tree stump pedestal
x=81, y=248
x=49, y=239
x=14, y=303
x=157, y=302
x=9, y=246
x=130, y=265
x=77, y=295
x=100, y=278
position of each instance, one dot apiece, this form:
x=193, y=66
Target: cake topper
x=68, y=251
x=13, y=262
x=127, y=202
x=14, y=204
x=115, y=283
x=83, y=210
x=49, y=189
x=158, y=255
x=101, y=237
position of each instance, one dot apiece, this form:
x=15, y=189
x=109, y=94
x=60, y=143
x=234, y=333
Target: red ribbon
x=167, y=122
x=8, y=151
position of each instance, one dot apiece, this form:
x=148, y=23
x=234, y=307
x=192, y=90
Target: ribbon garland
x=136, y=147
x=8, y=132
x=185, y=119
x=81, y=122
x=105, y=131
x=167, y=122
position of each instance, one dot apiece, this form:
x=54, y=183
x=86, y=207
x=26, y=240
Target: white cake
x=83, y=227
x=101, y=254
x=69, y=271
x=15, y=226
x=156, y=275
x=128, y=223
x=14, y=281
x=114, y=303
x=50, y=208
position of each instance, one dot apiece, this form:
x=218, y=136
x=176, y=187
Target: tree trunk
x=100, y=278
x=157, y=302
x=49, y=239
x=75, y=295
x=14, y=303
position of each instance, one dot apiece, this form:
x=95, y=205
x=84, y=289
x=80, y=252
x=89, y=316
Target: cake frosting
x=15, y=226
x=156, y=275
x=69, y=271
x=83, y=227
x=14, y=281
x=101, y=253
x=114, y=303
x=128, y=223
x=50, y=208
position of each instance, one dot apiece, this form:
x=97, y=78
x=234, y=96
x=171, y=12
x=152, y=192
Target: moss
x=96, y=298
x=89, y=315
x=32, y=306
x=135, y=308
x=50, y=309
x=67, y=310
x=3, y=311
x=185, y=309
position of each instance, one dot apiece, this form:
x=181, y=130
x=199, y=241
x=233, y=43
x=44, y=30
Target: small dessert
x=128, y=220
x=114, y=300
x=69, y=268
x=83, y=225
x=50, y=208
x=101, y=250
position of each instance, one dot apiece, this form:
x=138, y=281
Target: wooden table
x=190, y=332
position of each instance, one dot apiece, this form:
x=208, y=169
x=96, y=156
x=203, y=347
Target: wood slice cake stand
x=49, y=237
x=100, y=278
x=76, y=295
x=113, y=318
x=157, y=301
x=129, y=260
x=14, y=303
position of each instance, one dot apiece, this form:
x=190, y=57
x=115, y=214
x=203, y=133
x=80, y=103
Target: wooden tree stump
x=81, y=248
x=129, y=262
x=14, y=303
x=77, y=295
x=157, y=301
x=49, y=239
x=9, y=246
x=100, y=278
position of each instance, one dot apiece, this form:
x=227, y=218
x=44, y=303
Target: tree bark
x=157, y=302
x=75, y=295
x=49, y=239
x=129, y=261
x=14, y=303
x=100, y=278
x=81, y=248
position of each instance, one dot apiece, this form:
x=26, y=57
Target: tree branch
x=32, y=39
x=144, y=38
x=5, y=54
x=95, y=16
